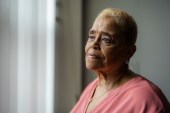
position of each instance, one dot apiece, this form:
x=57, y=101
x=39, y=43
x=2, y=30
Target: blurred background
x=42, y=43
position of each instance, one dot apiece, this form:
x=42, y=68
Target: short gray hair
x=125, y=23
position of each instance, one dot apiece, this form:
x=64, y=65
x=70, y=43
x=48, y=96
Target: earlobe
x=132, y=50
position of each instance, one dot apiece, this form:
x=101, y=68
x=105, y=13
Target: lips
x=93, y=56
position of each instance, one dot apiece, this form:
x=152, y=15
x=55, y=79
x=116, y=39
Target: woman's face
x=103, y=51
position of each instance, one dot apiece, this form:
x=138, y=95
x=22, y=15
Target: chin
x=92, y=67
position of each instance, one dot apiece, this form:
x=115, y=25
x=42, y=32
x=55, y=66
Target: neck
x=112, y=78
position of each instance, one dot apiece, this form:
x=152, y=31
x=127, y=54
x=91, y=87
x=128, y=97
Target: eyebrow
x=105, y=33
x=92, y=32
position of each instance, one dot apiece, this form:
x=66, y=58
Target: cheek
x=86, y=47
x=113, y=56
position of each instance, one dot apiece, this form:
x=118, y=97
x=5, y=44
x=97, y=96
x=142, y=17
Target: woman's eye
x=106, y=40
x=91, y=37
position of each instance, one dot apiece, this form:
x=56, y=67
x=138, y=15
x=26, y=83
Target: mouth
x=93, y=56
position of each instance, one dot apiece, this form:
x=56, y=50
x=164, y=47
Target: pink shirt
x=138, y=95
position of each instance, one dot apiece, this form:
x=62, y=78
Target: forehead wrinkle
x=103, y=25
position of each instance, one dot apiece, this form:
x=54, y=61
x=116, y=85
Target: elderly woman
x=116, y=89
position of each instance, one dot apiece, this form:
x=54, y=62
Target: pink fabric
x=136, y=96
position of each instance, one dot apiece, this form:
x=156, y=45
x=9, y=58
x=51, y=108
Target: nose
x=96, y=44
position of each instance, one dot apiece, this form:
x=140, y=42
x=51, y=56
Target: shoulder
x=146, y=87
x=143, y=89
x=142, y=92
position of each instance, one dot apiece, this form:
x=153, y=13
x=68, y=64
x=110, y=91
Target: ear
x=132, y=50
